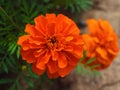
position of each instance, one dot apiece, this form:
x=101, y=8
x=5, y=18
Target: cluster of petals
x=53, y=45
x=101, y=42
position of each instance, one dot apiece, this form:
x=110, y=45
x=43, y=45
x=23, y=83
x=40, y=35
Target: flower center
x=52, y=42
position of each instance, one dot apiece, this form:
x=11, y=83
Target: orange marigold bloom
x=102, y=43
x=52, y=45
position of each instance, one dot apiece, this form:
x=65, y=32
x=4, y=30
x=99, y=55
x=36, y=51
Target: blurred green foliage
x=85, y=68
x=74, y=5
x=13, y=17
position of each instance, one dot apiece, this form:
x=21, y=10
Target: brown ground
x=110, y=80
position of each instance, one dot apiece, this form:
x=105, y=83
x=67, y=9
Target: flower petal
x=43, y=60
x=65, y=71
x=106, y=27
x=66, y=26
x=39, y=52
x=112, y=52
x=54, y=55
x=62, y=61
x=50, y=29
x=28, y=55
x=40, y=24
x=22, y=39
x=69, y=38
x=37, y=70
x=30, y=29
x=41, y=66
x=53, y=75
x=52, y=66
x=72, y=60
x=92, y=26
x=102, y=53
x=69, y=48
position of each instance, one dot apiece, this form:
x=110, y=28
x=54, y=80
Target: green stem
x=10, y=19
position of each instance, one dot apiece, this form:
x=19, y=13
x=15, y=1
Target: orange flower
x=52, y=45
x=102, y=43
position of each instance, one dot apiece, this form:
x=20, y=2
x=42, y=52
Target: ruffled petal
x=43, y=60
x=114, y=53
x=39, y=52
x=30, y=29
x=102, y=53
x=69, y=48
x=72, y=29
x=54, y=55
x=51, y=29
x=37, y=70
x=106, y=27
x=28, y=55
x=72, y=60
x=69, y=38
x=40, y=24
x=41, y=66
x=62, y=61
x=38, y=40
x=53, y=75
x=89, y=45
x=22, y=39
x=66, y=26
x=52, y=67
x=104, y=62
x=65, y=71
x=92, y=26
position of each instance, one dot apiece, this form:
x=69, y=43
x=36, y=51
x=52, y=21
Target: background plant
x=73, y=5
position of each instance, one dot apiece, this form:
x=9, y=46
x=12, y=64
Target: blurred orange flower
x=52, y=45
x=102, y=43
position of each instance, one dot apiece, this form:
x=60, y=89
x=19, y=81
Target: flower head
x=102, y=43
x=52, y=45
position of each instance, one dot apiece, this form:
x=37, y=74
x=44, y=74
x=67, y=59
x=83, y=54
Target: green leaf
x=46, y=1
x=72, y=8
x=18, y=52
x=19, y=87
x=5, y=67
x=9, y=63
x=29, y=82
x=90, y=61
x=94, y=66
x=51, y=82
x=84, y=55
x=83, y=70
x=97, y=73
x=24, y=10
x=35, y=13
x=6, y=80
x=12, y=87
x=13, y=49
x=6, y=16
x=11, y=46
x=33, y=75
x=78, y=8
x=25, y=6
x=91, y=72
x=12, y=60
x=32, y=7
x=78, y=68
x=89, y=2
